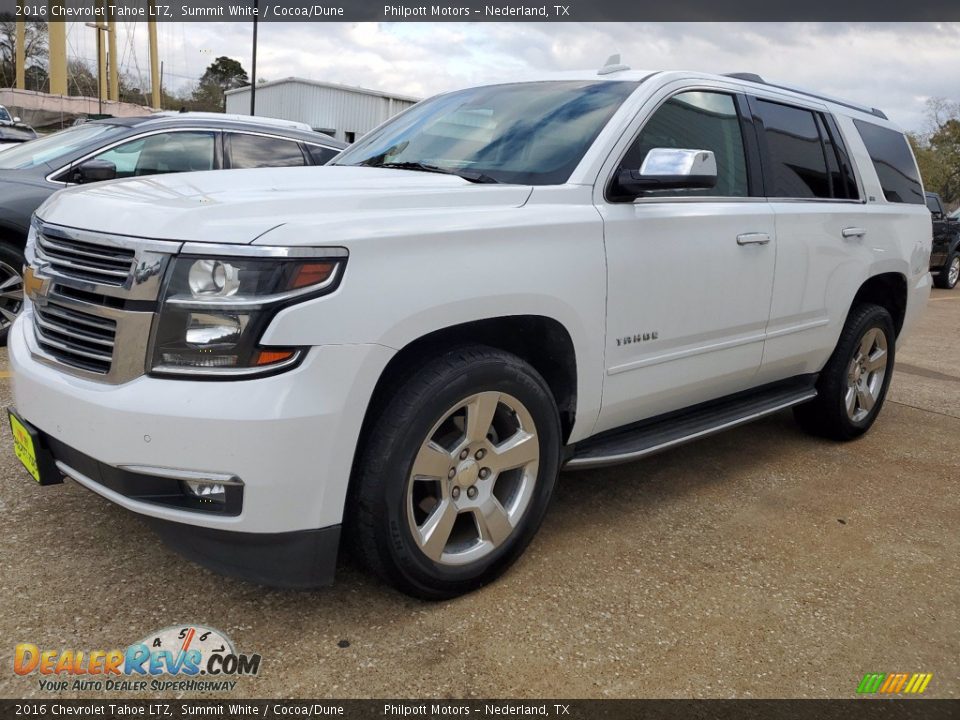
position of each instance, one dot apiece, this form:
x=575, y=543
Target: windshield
x=47, y=149
x=527, y=133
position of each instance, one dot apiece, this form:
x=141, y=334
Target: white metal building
x=340, y=110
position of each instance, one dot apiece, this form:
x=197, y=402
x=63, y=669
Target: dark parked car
x=945, y=256
x=12, y=131
x=132, y=147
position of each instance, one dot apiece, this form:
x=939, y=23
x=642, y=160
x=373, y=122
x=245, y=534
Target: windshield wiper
x=468, y=175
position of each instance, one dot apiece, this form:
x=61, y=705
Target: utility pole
x=154, y=59
x=57, y=38
x=21, y=61
x=253, y=72
x=101, y=62
x=114, y=60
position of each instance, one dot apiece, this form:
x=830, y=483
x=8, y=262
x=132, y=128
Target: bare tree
x=35, y=44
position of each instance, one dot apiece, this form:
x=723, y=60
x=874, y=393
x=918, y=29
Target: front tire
x=853, y=385
x=950, y=272
x=456, y=474
x=11, y=288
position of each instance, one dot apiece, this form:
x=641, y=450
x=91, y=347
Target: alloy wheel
x=473, y=478
x=865, y=374
x=953, y=273
x=11, y=295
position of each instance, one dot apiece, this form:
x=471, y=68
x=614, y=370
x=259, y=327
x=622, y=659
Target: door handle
x=853, y=232
x=754, y=238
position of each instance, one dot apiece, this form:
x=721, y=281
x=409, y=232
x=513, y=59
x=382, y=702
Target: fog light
x=208, y=492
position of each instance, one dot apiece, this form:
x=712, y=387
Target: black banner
x=859, y=709
x=483, y=10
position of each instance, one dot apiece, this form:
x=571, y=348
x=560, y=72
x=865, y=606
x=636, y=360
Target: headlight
x=215, y=307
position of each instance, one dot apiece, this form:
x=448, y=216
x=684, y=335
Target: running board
x=667, y=431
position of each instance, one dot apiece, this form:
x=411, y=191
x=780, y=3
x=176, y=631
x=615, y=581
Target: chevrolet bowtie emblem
x=35, y=286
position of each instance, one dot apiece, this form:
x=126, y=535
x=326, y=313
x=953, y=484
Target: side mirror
x=670, y=169
x=95, y=171
x=16, y=119
x=937, y=215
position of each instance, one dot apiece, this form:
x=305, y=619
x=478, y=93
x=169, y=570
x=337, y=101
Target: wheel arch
x=889, y=291
x=543, y=342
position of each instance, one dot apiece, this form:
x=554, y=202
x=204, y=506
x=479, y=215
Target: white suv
x=411, y=342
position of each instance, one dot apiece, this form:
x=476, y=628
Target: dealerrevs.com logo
x=194, y=656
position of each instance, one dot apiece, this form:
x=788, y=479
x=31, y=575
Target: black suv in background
x=945, y=256
x=133, y=147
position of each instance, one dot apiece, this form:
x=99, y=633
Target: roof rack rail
x=754, y=78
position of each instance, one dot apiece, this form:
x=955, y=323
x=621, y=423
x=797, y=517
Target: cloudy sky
x=892, y=66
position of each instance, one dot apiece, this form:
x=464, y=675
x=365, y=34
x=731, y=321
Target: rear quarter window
x=893, y=161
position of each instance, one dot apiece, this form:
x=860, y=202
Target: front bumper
x=289, y=438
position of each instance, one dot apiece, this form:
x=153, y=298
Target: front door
x=690, y=272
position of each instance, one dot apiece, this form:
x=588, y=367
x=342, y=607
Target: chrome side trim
x=690, y=352
x=594, y=462
x=176, y=474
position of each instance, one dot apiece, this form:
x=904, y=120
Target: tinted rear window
x=260, y=151
x=893, y=162
x=797, y=158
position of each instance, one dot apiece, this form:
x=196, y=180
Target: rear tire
x=11, y=288
x=438, y=507
x=853, y=385
x=950, y=272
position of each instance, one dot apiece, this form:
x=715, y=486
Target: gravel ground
x=757, y=563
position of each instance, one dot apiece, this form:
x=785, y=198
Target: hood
x=237, y=206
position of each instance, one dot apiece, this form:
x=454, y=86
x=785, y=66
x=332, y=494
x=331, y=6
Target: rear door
x=822, y=232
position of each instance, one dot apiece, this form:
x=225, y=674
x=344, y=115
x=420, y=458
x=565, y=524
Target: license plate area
x=31, y=451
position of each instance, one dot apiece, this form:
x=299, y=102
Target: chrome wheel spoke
x=851, y=400
x=16, y=295
x=493, y=523
x=12, y=281
x=8, y=315
x=877, y=361
x=868, y=341
x=522, y=449
x=865, y=399
x=480, y=412
x=431, y=462
x=435, y=533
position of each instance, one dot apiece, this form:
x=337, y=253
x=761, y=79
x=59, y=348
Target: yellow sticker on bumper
x=23, y=447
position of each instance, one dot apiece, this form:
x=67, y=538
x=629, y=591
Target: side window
x=842, y=181
x=798, y=161
x=697, y=120
x=933, y=205
x=321, y=155
x=258, y=151
x=162, y=153
x=893, y=162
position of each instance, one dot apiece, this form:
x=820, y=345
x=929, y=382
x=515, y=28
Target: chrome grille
x=92, y=299
x=75, y=338
x=85, y=261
